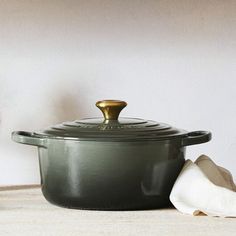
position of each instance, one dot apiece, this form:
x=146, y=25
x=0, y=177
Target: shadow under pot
x=110, y=163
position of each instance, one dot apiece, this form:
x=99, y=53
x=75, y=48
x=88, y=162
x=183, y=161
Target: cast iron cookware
x=110, y=163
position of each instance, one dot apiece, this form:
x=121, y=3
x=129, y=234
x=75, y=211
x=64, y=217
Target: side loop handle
x=28, y=138
x=196, y=137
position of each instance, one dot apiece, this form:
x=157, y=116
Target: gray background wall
x=172, y=61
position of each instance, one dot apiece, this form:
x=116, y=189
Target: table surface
x=26, y=212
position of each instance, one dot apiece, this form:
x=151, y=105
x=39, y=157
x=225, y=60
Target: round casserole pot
x=110, y=163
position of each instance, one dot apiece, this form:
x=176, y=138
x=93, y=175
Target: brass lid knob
x=111, y=108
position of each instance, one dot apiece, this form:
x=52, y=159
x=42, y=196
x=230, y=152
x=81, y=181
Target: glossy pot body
x=107, y=175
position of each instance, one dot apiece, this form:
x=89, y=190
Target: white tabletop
x=26, y=212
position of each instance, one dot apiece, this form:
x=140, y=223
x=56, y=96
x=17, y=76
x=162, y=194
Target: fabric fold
x=204, y=187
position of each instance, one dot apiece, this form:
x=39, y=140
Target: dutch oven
x=110, y=163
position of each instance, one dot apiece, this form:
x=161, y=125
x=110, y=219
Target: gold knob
x=111, y=108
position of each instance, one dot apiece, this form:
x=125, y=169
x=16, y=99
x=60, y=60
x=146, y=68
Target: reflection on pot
x=159, y=177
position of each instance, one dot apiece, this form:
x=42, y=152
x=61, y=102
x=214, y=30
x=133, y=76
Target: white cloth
x=204, y=187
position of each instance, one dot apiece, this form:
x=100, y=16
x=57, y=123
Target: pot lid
x=111, y=127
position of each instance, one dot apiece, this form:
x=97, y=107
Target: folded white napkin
x=204, y=187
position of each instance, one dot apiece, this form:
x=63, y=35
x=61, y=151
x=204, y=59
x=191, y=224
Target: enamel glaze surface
x=109, y=176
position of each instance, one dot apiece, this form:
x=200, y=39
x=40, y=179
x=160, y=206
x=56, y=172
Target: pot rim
x=190, y=138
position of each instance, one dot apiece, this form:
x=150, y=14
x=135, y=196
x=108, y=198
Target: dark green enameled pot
x=112, y=163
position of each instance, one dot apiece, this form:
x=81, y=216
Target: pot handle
x=28, y=138
x=196, y=137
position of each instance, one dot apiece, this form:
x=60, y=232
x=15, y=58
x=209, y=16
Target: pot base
x=140, y=204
